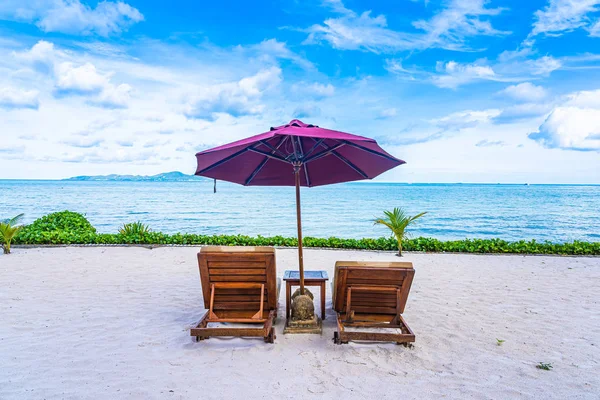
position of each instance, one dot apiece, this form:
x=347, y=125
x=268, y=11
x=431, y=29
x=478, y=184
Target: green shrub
x=134, y=229
x=62, y=221
x=72, y=228
x=63, y=227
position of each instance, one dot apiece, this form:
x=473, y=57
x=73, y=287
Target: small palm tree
x=8, y=230
x=397, y=221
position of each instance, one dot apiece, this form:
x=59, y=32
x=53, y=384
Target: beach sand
x=113, y=323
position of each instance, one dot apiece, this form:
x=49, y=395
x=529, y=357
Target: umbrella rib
x=296, y=158
x=369, y=150
x=314, y=147
x=263, y=162
x=350, y=164
x=220, y=162
x=264, y=153
x=322, y=154
x=274, y=149
x=304, y=164
x=331, y=150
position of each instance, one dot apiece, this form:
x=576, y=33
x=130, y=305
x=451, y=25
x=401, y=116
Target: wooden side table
x=311, y=278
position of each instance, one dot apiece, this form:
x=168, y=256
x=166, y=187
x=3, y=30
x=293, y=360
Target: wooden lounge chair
x=239, y=285
x=372, y=295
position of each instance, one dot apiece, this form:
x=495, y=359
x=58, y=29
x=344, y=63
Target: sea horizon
x=364, y=182
x=545, y=212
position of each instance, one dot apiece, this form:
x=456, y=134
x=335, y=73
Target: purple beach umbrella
x=296, y=154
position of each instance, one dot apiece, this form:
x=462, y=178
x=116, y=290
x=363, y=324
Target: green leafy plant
x=8, y=230
x=73, y=228
x=64, y=227
x=397, y=221
x=64, y=221
x=134, y=229
x=544, y=366
x=499, y=342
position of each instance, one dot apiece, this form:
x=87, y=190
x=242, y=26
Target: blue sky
x=463, y=90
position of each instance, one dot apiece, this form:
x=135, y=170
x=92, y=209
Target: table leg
x=288, y=295
x=322, y=300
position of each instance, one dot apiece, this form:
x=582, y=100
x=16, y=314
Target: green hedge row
x=72, y=228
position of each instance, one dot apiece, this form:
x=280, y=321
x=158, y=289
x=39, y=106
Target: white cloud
x=84, y=78
x=448, y=29
x=595, y=29
x=83, y=142
x=234, y=98
x=543, y=65
x=466, y=119
x=510, y=67
x=114, y=96
x=274, y=49
x=322, y=90
x=75, y=78
x=87, y=80
x=307, y=111
x=42, y=53
x=458, y=21
x=447, y=127
x=573, y=125
x=523, y=111
x=490, y=143
x=337, y=6
x=525, y=91
x=73, y=17
x=425, y=2
x=570, y=128
x=315, y=90
x=388, y=113
x=11, y=98
x=561, y=16
x=11, y=150
x=584, y=99
x=453, y=74
x=396, y=67
x=361, y=32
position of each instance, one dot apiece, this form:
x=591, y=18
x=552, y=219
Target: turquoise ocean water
x=557, y=213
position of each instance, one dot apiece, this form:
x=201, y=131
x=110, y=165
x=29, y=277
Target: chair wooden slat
x=239, y=284
x=372, y=295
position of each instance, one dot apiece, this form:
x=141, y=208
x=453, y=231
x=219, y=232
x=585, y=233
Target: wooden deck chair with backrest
x=372, y=295
x=239, y=285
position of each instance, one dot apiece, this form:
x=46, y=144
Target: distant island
x=174, y=176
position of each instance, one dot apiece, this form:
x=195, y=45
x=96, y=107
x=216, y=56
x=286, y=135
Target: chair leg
x=270, y=338
x=337, y=335
x=336, y=338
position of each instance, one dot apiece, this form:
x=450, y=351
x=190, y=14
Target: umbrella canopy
x=296, y=154
x=323, y=156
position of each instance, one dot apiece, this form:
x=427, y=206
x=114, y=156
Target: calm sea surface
x=557, y=213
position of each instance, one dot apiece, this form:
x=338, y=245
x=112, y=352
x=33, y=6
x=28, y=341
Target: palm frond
x=134, y=228
x=397, y=221
x=16, y=220
x=8, y=230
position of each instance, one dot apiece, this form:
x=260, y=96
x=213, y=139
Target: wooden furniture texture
x=239, y=285
x=372, y=295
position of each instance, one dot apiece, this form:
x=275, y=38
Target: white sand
x=112, y=323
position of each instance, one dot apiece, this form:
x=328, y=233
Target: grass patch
x=544, y=366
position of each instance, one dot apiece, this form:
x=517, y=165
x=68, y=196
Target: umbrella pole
x=299, y=220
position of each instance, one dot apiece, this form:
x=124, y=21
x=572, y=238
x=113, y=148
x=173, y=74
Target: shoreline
x=390, y=252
